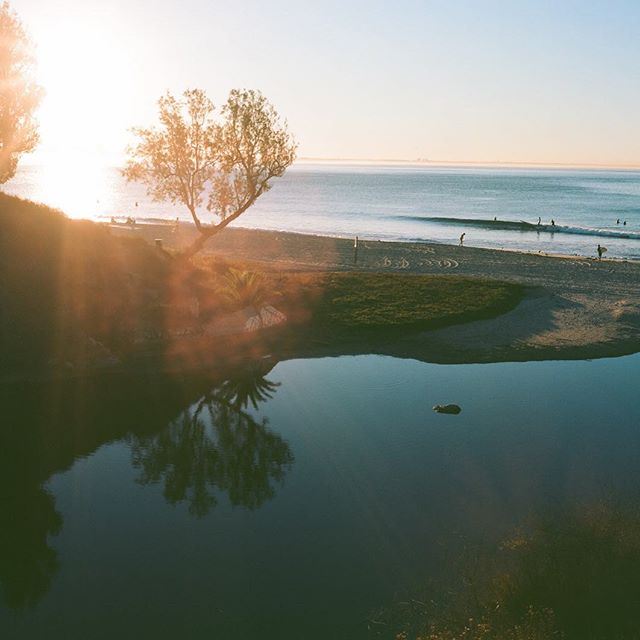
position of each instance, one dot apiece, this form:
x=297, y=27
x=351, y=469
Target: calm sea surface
x=291, y=501
x=496, y=208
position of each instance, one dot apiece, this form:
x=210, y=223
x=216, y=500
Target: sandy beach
x=574, y=307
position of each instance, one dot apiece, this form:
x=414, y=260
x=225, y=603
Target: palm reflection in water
x=216, y=447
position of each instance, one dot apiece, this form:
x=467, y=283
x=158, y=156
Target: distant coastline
x=489, y=164
x=116, y=162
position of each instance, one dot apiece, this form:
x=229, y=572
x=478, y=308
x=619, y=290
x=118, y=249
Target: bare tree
x=19, y=93
x=222, y=159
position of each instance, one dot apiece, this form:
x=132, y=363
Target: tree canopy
x=19, y=93
x=222, y=159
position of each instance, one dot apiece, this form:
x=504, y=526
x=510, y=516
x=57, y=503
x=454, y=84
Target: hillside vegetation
x=63, y=281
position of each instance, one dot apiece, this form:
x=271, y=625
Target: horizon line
x=472, y=163
x=36, y=159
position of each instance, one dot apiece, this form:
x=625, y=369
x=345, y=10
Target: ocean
x=493, y=207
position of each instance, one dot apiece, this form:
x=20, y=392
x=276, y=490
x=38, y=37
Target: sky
x=453, y=80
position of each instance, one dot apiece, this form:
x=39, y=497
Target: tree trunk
x=197, y=245
x=208, y=232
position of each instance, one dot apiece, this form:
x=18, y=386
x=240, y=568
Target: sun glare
x=82, y=191
x=82, y=67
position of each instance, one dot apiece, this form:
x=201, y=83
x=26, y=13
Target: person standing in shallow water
x=462, y=239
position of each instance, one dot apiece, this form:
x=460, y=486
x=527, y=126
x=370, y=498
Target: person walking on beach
x=600, y=252
x=553, y=222
x=539, y=220
x=462, y=239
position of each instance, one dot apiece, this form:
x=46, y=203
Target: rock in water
x=447, y=408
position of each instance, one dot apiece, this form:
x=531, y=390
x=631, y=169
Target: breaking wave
x=521, y=225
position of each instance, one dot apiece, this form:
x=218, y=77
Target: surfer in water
x=553, y=222
x=462, y=239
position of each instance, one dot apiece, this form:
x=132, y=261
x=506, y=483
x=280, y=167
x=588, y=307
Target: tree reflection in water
x=217, y=447
x=28, y=563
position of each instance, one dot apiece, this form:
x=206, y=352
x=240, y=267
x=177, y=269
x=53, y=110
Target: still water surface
x=294, y=501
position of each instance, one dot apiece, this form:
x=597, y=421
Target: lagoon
x=294, y=499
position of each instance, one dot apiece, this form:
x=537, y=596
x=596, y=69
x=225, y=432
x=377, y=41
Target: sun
x=82, y=67
x=83, y=120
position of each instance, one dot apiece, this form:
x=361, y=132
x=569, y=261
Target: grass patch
x=359, y=301
x=377, y=301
